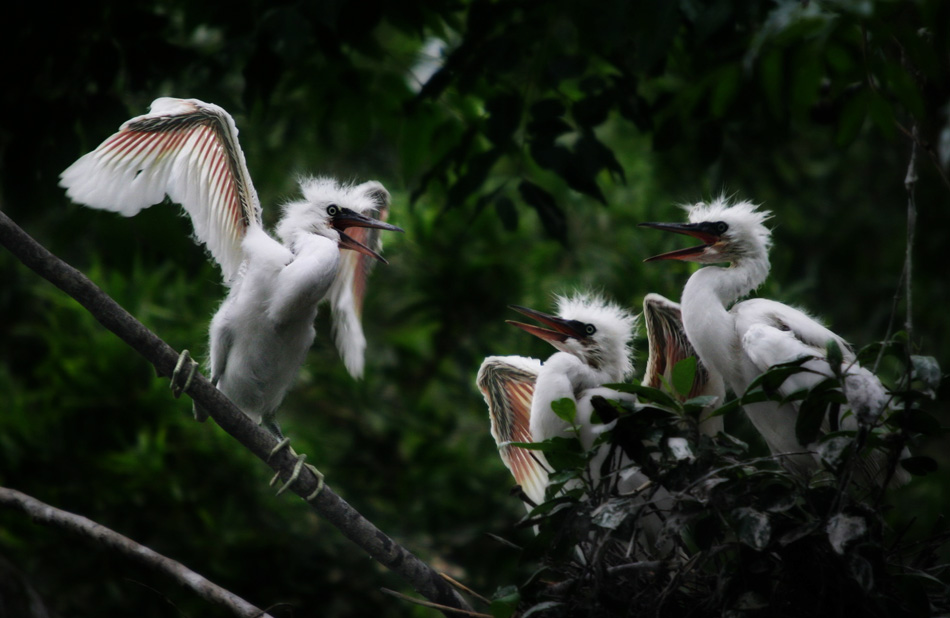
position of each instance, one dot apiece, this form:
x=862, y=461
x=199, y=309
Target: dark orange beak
x=704, y=231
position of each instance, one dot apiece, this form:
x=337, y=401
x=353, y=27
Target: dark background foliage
x=522, y=142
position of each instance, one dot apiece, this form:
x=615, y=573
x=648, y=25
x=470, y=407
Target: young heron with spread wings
x=593, y=338
x=188, y=150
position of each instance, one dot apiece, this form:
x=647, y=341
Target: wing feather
x=185, y=149
x=507, y=383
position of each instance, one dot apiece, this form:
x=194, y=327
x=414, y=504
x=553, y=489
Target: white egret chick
x=741, y=341
x=188, y=150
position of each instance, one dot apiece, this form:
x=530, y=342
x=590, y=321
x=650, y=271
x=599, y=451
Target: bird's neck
x=562, y=375
x=709, y=325
x=301, y=242
x=729, y=284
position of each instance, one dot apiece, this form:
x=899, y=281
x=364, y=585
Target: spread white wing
x=349, y=287
x=185, y=149
x=507, y=383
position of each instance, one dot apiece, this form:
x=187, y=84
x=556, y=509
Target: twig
x=650, y=565
x=912, y=134
x=503, y=541
x=464, y=612
x=327, y=503
x=83, y=526
x=460, y=586
x=890, y=322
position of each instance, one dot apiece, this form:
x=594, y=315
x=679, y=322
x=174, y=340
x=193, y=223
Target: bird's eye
x=721, y=227
x=590, y=329
x=333, y=210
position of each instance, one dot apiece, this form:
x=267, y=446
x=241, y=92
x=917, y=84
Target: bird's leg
x=179, y=384
x=284, y=443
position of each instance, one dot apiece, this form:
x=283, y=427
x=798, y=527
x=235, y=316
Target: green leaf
x=773, y=378
x=646, y=394
x=505, y=601
x=869, y=353
x=728, y=407
x=683, y=374
x=566, y=409
x=700, y=401
x=564, y=453
x=551, y=215
x=835, y=356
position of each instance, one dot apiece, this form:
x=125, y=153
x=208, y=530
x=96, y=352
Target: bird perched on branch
x=741, y=341
x=593, y=339
x=188, y=150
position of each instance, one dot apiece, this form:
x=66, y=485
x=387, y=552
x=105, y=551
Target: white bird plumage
x=594, y=342
x=185, y=149
x=188, y=150
x=741, y=341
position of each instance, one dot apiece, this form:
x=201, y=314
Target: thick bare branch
x=77, y=524
x=327, y=503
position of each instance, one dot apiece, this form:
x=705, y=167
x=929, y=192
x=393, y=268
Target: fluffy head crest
x=747, y=234
x=610, y=348
x=310, y=214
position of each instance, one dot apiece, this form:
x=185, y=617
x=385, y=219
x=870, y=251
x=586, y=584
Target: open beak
x=561, y=330
x=703, y=231
x=350, y=218
x=348, y=242
x=346, y=218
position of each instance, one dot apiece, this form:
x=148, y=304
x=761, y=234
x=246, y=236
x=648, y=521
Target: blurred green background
x=522, y=141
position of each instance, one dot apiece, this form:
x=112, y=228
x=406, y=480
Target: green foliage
x=742, y=533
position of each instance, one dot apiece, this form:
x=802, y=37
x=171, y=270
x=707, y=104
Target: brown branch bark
x=425, y=580
x=77, y=524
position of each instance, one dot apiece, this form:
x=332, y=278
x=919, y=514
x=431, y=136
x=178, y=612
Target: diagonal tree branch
x=83, y=526
x=425, y=580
